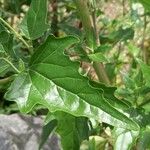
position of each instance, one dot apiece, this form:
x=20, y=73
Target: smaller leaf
x=3, y=68
x=24, y=28
x=129, y=82
x=73, y=130
x=117, y=36
x=103, y=48
x=6, y=41
x=133, y=50
x=34, y=24
x=21, y=65
x=143, y=143
x=4, y=35
x=2, y=49
x=46, y=132
x=146, y=71
x=70, y=30
x=98, y=57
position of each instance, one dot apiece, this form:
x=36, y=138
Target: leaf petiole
x=17, y=35
x=10, y=63
x=6, y=80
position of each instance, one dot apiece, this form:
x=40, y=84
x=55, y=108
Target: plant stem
x=17, y=35
x=123, y=8
x=54, y=24
x=86, y=20
x=91, y=37
x=145, y=54
x=7, y=61
x=6, y=80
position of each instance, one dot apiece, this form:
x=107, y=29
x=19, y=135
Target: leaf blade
x=53, y=81
x=34, y=23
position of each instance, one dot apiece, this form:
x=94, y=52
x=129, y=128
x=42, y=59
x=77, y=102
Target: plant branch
x=54, y=24
x=7, y=61
x=17, y=35
x=86, y=20
x=91, y=37
x=6, y=80
x=145, y=55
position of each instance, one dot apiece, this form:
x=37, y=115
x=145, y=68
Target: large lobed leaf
x=53, y=81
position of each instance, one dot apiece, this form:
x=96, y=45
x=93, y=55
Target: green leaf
x=54, y=81
x=6, y=41
x=46, y=131
x=96, y=143
x=146, y=4
x=133, y=50
x=24, y=28
x=3, y=68
x=108, y=93
x=72, y=130
x=129, y=82
x=13, y=6
x=2, y=49
x=146, y=72
x=103, y=48
x=34, y=23
x=144, y=143
x=70, y=30
x=117, y=36
x=124, y=139
x=98, y=57
x=4, y=35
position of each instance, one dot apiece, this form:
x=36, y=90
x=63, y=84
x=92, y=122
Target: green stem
x=145, y=53
x=17, y=35
x=86, y=21
x=91, y=37
x=101, y=73
x=7, y=61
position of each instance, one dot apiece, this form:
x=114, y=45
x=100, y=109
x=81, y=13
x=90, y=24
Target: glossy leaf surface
x=53, y=81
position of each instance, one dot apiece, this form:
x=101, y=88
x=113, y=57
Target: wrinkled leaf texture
x=53, y=80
